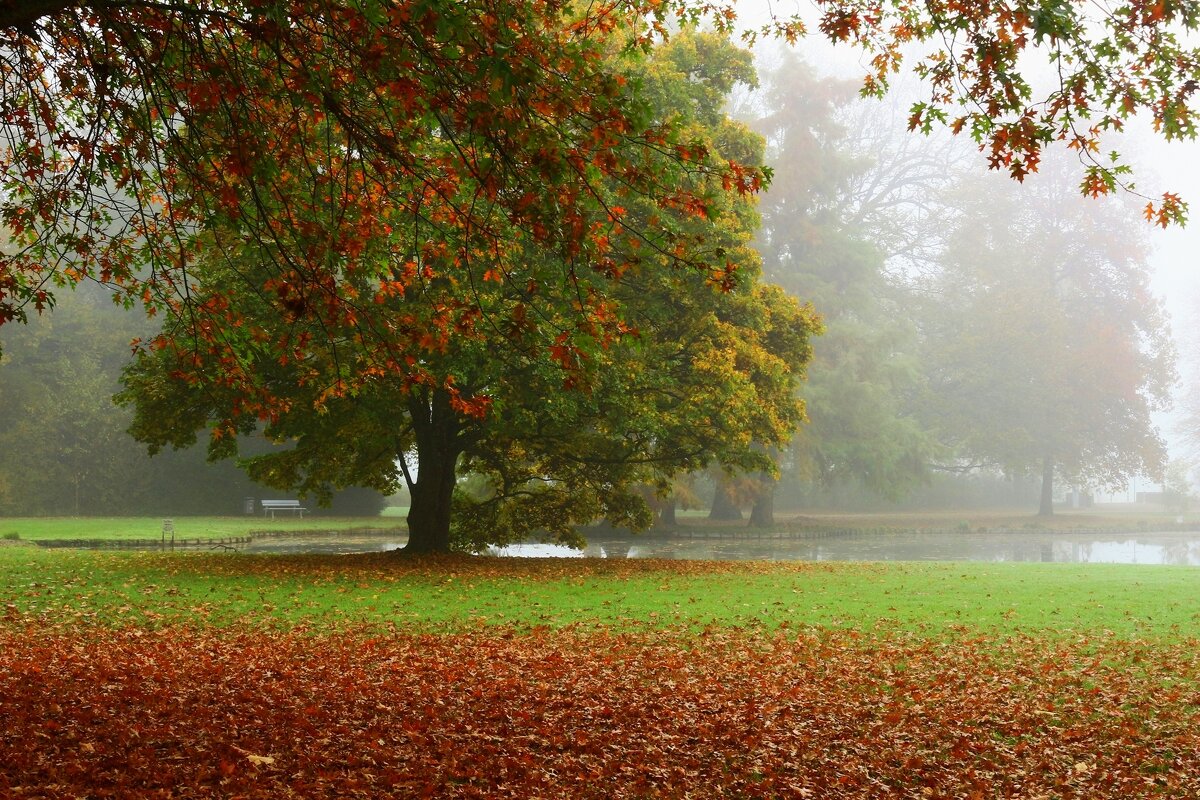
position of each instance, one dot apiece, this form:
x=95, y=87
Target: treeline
x=64, y=449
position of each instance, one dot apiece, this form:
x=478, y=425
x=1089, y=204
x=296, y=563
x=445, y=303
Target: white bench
x=271, y=506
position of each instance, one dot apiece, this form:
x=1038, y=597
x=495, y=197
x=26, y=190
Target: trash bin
x=248, y=506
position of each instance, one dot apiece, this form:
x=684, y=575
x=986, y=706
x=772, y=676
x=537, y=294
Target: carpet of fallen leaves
x=185, y=712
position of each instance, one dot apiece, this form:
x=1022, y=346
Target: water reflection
x=1068, y=548
x=333, y=542
x=1182, y=548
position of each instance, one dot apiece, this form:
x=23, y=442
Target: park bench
x=271, y=506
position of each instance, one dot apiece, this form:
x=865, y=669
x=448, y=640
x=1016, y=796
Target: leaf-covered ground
x=223, y=675
x=193, y=712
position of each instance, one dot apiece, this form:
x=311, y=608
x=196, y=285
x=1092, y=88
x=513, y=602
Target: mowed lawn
x=225, y=674
x=152, y=589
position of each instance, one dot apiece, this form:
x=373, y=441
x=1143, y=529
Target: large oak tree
x=496, y=371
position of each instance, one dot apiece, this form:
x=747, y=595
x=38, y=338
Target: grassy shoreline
x=692, y=524
x=459, y=593
x=128, y=528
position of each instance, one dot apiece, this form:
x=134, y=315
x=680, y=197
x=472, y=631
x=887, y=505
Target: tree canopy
x=130, y=126
x=675, y=367
x=1046, y=352
x=485, y=131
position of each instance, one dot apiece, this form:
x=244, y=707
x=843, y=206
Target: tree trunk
x=436, y=426
x=666, y=513
x=763, y=513
x=723, y=507
x=1046, y=509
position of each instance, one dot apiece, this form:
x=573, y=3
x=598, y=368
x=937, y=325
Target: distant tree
x=730, y=493
x=819, y=217
x=680, y=494
x=63, y=446
x=1177, y=484
x=1187, y=422
x=1045, y=348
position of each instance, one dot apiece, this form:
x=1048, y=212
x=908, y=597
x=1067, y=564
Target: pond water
x=1174, y=547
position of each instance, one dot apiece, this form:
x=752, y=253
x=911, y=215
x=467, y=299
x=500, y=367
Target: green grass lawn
x=110, y=528
x=448, y=595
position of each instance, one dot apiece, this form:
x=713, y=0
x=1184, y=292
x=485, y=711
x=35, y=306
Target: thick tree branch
x=22, y=14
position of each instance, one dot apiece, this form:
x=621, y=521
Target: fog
x=987, y=343
x=1167, y=256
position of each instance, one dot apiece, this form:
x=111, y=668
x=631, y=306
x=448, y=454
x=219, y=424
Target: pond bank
x=747, y=532
x=140, y=544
